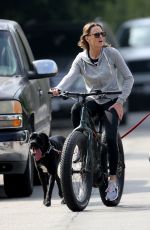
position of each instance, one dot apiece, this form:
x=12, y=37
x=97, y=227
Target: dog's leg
x=59, y=186
x=59, y=189
x=44, y=181
x=47, y=201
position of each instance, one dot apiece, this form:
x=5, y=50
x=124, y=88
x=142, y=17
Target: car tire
x=20, y=185
x=36, y=177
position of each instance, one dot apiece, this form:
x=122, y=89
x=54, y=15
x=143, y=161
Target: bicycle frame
x=87, y=127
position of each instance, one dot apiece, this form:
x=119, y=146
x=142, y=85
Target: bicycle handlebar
x=80, y=94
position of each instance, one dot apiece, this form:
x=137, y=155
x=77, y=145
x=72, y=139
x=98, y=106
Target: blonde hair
x=86, y=30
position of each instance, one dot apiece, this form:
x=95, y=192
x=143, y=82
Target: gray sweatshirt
x=103, y=76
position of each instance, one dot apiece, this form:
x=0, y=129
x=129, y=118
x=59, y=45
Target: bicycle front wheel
x=75, y=172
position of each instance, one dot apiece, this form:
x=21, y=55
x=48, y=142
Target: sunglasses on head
x=98, y=34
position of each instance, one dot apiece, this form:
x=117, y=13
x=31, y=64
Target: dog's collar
x=51, y=147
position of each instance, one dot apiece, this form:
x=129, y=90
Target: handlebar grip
x=113, y=92
x=50, y=92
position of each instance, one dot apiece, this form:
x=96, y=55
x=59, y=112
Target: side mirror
x=44, y=68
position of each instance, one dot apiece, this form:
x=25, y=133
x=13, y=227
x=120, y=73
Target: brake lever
x=64, y=97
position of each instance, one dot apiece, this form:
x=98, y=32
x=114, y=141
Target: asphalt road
x=133, y=212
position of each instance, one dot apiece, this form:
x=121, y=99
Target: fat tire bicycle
x=84, y=160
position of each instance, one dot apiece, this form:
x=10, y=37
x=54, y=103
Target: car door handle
x=40, y=92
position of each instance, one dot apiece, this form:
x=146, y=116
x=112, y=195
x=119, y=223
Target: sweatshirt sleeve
x=128, y=79
x=73, y=74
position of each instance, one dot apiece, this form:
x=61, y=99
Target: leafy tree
x=112, y=11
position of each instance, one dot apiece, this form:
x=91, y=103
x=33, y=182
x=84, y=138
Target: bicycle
x=88, y=141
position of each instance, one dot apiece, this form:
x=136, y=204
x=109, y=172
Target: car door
x=45, y=105
x=34, y=89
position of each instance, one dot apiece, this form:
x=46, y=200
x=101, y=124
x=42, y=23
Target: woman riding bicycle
x=98, y=64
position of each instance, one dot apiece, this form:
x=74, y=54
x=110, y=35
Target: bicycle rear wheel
x=76, y=177
x=120, y=173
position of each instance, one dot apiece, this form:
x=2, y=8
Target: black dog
x=47, y=153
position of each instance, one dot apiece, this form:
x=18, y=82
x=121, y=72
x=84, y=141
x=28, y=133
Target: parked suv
x=134, y=41
x=24, y=106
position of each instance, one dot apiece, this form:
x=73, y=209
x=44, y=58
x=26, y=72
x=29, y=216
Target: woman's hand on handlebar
x=55, y=91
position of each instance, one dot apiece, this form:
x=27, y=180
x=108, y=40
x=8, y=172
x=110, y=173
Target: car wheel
x=36, y=177
x=20, y=185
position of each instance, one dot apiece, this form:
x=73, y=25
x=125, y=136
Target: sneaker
x=112, y=191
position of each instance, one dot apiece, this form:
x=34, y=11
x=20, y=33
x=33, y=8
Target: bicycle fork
x=89, y=155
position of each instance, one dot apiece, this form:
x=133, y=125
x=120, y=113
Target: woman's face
x=96, y=37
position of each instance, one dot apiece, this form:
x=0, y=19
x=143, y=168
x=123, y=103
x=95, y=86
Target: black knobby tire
x=120, y=173
x=76, y=181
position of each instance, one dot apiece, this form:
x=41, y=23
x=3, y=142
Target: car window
x=139, y=36
x=139, y=66
x=8, y=60
x=136, y=36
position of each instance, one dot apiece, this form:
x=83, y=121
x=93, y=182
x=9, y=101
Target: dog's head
x=38, y=144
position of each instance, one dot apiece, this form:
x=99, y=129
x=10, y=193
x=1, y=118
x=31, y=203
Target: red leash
x=135, y=126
